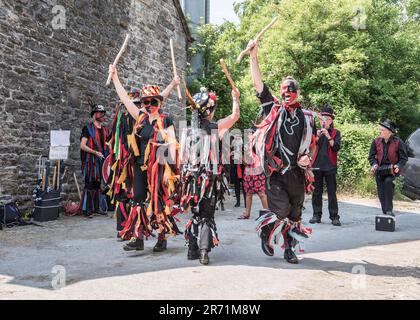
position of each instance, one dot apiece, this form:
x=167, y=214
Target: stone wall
x=48, y=72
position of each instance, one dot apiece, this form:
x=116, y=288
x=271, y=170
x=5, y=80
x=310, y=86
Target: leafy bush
x=353, y=166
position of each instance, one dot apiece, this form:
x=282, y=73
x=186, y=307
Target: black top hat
x=328, y=111
x=390, y=125
x=97, y=108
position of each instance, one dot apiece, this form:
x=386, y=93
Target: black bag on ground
x=10, y=214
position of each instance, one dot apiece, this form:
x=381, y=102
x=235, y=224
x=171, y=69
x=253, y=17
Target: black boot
x=134, y=244
x=193, y=253
x=160, y=246
x=336, y=222
x=315, y=219
x=238, y=204
x=290, y=256
x=204, y=257
x=266, y=248
x=265, y=232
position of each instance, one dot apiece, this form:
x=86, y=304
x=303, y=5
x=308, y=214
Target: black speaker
x=385, y=223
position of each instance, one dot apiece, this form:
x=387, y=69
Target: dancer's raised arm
x=226, y=123
x=255, y=68
x=130, y=106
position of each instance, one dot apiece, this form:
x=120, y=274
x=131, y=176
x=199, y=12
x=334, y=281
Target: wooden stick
x=259, y=35
x=123, y=48
x=44, y=178
x=77, y=186
x=64, y=173
x=54, y=177
x=174, y=66
x=58, y=175
x=227, y=74
x=188, y=94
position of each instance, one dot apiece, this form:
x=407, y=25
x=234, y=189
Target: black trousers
x=140, y=186
x=385, y=187
x=238, y=188
x=286, y=193
x=330, y=180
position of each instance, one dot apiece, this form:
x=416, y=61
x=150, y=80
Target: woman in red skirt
x=254, y=183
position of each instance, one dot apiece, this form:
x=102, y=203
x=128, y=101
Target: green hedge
x=353, y=173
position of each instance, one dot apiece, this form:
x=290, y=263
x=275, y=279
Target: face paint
x=100, y=116
x=289, y=92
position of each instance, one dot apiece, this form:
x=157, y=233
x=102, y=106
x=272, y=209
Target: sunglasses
x=153, y=102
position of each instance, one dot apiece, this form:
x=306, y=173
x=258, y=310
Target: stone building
x=54, y=54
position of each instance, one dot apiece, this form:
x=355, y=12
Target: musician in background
x=93, y=150
x=388, y=154
x=328, y=142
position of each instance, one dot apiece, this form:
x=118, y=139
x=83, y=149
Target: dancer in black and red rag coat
x=93, y=150
x=152, y=165
x=121, y=185
x=203, y=180
x=285, y=142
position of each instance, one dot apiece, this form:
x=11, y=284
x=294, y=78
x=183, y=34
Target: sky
x=221, y=10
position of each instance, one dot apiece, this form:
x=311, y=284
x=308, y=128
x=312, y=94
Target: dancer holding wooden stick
x=154, y=174
x=285, y=141
x=203, y=183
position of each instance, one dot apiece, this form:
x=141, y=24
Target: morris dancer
x=284, y=141
x=154, y=172
x=203, y=181
x=121, y=178
x=93, y=150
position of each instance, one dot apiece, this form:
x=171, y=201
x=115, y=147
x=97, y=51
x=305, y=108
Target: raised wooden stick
x=259, y=35
x=188, y=94
x=123, y=48
x=174, y=66
x=227, y=74
x=77, y=186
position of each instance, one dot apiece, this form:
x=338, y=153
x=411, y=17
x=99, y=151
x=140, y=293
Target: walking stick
x=77, y=186
x=174, y=66
x=123, y=48
x=259, y=35
x=227, y=74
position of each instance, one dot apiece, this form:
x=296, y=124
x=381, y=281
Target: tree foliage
x=359, y=57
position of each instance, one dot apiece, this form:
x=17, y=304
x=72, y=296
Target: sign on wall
x=59, y=144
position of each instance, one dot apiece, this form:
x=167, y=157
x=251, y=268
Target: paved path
x=349, y=262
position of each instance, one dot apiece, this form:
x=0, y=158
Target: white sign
x=59, y=144
x=60, y=138
x=59, y=153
